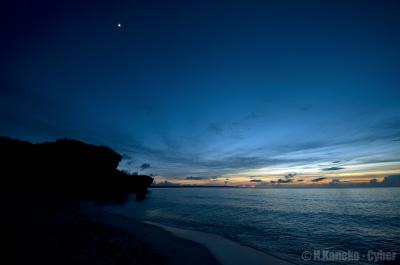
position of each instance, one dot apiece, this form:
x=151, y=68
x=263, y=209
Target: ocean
x=303, y=226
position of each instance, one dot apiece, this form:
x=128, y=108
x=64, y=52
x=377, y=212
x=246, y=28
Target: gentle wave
x=281, y=222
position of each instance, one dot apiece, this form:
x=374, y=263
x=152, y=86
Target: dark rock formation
x=65, y=169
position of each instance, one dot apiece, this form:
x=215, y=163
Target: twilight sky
x=248, y=91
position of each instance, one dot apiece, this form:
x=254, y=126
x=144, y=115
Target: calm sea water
x=282, y=222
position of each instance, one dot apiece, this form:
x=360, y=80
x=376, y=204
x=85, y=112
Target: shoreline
x=226, y=251
x=85, y=234
x=170, y=249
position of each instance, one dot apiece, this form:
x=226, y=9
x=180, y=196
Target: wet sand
x=226, y=251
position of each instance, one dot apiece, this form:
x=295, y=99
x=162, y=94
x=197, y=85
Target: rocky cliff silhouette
x=66, y=169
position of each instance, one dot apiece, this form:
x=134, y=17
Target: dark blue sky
x=209, y=88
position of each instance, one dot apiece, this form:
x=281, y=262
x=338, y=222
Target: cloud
x=126, y=156
x=255, y=180
x=335, y=181
x=234, y=128
x=172, y=162
x=332, y=168
x=194, y=178
x=130, y=162
x=287, y=179
x=250, y=116
x=215, y=128
x=301, y=146
x=379, y=160
x=282, y=181
x=166, y=183
x=318, y=179
x=232, y=163
x=144, y=166
x=212, y=178
x=290, y=175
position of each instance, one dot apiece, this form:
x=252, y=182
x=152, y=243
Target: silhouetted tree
x=65, y=169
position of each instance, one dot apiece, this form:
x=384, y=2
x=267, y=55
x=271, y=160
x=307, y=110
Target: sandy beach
x=226, y=251
x=86, y=234
x=69, y=235
x=169, y=248
x=196, y=243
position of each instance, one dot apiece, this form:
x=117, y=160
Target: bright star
x=119, y=25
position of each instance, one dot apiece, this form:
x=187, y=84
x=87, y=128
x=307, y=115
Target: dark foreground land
x=48, y=198
x=65, y=169
x=73, y=234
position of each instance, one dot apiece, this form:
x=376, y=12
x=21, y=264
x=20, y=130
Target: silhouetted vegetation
x=66, y=169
